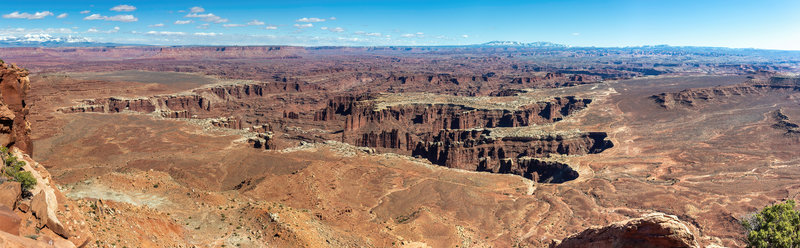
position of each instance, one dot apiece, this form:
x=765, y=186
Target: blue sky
x=772, y=24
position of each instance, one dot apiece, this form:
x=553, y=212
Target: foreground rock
x=14, y=127
x=10, y=193
x=655, y=230
x=48, y=203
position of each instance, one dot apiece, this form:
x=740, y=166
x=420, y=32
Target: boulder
x=24, y=205
x=9, y=221
x=44, y=206
x=654, y=230
x=8, y=240
x=10, y=194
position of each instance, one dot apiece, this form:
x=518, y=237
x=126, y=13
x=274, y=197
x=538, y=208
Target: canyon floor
x=193, y=178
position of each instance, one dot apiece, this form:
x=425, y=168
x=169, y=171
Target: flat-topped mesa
x=237, y=52
x=695, y=96
x=200, y=103
x=476, y=84
x=243, y=91
x=174, y=106
x=432, y=117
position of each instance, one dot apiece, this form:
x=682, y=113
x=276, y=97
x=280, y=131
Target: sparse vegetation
x=13, y=170
x=774, y=226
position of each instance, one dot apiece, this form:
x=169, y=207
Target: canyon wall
x=459, y=136
x=452, y=135
x=14, y=126
x=41, y=203
x=694, y=97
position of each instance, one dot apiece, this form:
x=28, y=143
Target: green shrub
x=774, y=226
x=26, y=179
x=13, y=170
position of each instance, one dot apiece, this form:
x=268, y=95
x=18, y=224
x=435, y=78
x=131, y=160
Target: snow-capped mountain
x=46, y=40
x=521, y=44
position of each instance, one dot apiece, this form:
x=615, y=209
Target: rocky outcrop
x=46, y=198
x=9, y=221
x=783, y=123
x=477, y=150
x=200, y=103
x=10, y=193
x=693, y=97
x=655, y=230
x=243, y=91
x=14, y=126
x=433, y=117
x=262, y=140
x=458, y=136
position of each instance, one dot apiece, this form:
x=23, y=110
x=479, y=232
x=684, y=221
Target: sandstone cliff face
x=655, y=230
x=458, y=136
x=14, y=126
x=693, y=97
x=45, y=204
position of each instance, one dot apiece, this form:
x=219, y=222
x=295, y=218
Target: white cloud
x=94, y=17
x=165, y=33
x=368, y=34
x=180, y=22
x=337, y=30
x=110, y=31
x=207, y=34
x=61, y=16
x=332, y=18
x=464, y=36
x=233, y=25
x=116, y=18
x=123, y=8
x=271, y=27
x=418, y=34
x=255, y=23
x=85, y=12
x=23, y=31
x=324, y=28
x=312, y=19
x=210, y=17
x=576, y=34
x=156, y=25
x=25, y=15
x=203, y=26
x=197, y=9
x=307, y=25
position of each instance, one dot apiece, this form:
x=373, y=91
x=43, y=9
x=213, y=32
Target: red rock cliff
x=14, y=126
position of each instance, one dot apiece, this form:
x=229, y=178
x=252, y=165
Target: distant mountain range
x=46, y=40
x=521, y=44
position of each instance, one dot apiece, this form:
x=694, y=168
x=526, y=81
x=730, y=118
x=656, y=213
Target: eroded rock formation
x=655, y=230
x=14, y=126
x=693, y=97
x=783, y=123
x=44, y=200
